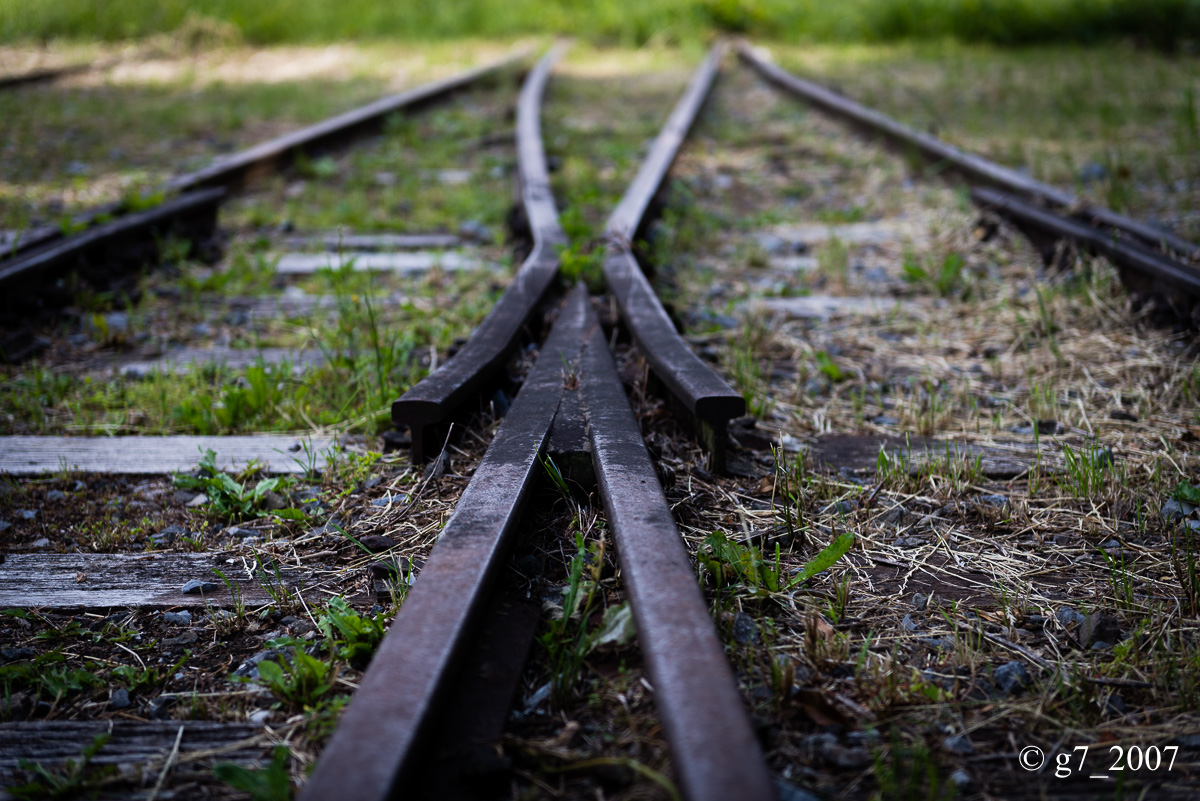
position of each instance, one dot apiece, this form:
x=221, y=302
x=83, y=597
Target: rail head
x=969, y=166
x=536, y=194
x=238, y=169
x=55, y=256
x=703, y=395
x=380, y=735
x=1123, y=253
x=630, y=212
x=436, y=398
x=713, y=746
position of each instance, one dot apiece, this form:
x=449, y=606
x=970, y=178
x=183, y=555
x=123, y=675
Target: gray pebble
x=785, y=791
x=195, y=587
x=28, y=514
x=198, y=500
x=920, y=601
x=473, y=229
x=250, y=666
x=40, y=542
x=13, y=654
x=908, y=623
x=160, y=707
x=958, y=744
x=183, y=618
x=960, y=779
x=842, y=507
x=995, y=501
x=745, y=630
x=260, y=717
x=1174, y=510
x=119, y=698
x=1068, y=617
x=5, y=525
x=1093, y=171
x=56, y=495
x=1098, y=627
x=1011, y=677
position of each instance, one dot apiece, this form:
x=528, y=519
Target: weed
x=556, y=478
x=269, y=783
x=271, y=580
x=833, y=261
x=230, y=498
x=1088, y=469
x=46, y=674
x=790, y=485
x=1185, y=556
x=945, y=279
x=146, y=678
x=732, y=564
x=909, y=773
x=351, y=636
x=72, y=779
x=567, y=638
x=299, y=681
x=828, y=367
x=237, y=620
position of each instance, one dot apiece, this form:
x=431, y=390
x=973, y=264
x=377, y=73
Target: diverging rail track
x=389, y=725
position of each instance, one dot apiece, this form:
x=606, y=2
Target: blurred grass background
x=1163, y=24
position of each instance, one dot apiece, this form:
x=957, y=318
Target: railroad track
x=424, y=691
x=1154, y=263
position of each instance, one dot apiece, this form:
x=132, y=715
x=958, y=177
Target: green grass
x=1163, y=23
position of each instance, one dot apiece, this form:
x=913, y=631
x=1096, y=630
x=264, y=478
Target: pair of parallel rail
x=386, y=731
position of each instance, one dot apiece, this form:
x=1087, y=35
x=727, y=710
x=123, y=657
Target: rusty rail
x=1177, y=284
x=426, y=407
x=238, y=170
x=388, y=730
x=705, y=398
x=973, y=168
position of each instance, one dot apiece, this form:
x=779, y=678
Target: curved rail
x=391, y=722
x=380, y=735
x=973, y=168
x=705, y=397
x=425, y=407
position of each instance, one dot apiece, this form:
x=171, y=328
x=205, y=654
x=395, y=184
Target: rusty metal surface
x=90, y=245
x=971, y=167
x=238, y=169
x=697, y=387
x=713, y=747
x=396, y=703
x=435, y=398
x=1174, y=277
x=627, y=217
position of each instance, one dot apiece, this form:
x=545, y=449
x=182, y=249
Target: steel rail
x=238, y=170
x=380, y=735
x=54, y=258
x=973, y=168
x=713, y=746
x=1130, y=255
x=42, y=75
x=424, y=408
x=703, y=395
